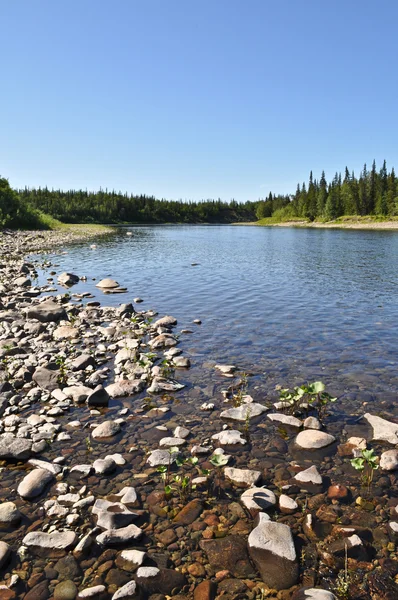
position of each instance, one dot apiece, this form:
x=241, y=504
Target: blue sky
x=192, y=100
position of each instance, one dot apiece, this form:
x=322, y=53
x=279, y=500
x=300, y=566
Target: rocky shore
x=121, y=480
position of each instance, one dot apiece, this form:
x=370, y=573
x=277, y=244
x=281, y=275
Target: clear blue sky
x=195, y=99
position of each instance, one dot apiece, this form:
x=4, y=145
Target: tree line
x=373, y=192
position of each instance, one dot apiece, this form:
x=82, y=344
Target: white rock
x=60, y=540
x=244, y=412
x=383, y=431
x=311, y=439
x=181, y=432
x=287, y=505
x=312, y=423
x=34, y=483
x=119, y=536
x=170, y=442
x=310, y=475
x=161, y=457
x=389, y=460
x=285, y=419
x=127, y=591
x=91, y=592
x=242, y=477
x=230, y=437
x=106, y=429
x=256, y=498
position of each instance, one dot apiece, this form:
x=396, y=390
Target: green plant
x=89, y=447
x=166, y=368
x=312, y=394
x=62, y=375
x=241, y=391
x=343, y=580
x=367, y=463
x=180, y=483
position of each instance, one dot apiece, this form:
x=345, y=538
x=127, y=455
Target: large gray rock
x=161, y=457
x=310, y=475
x=258, y=499
x=82, y=362
x=47, y=379
x=124, y=535
x=166, y=321
x=47, y=311
x=98, y=397
x=15, y=448
x=125, y=387
x=383, y=431
x=271, y=548
x=78, y=393
x=106, y=429
x=68, y=279
x=244, y=412
x=312, y=439
x=107, y=284
x=34, y=483
x=44, y=544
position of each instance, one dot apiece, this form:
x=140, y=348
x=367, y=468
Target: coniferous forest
x=373, y=192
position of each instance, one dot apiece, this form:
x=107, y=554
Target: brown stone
x=229, y=553
x=338, y=492
x=189, y=513
x=328, y=513
x=39, y=592
x=205, y=591
x=167, y=537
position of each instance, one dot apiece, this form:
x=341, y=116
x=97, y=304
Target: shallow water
x=285, y=304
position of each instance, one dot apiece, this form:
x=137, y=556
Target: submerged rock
x=244, y=412
x=242, y=477
x=313, y=439
x=229, y=437
x=34, y=483
x=383, y=431
x=106, y=429
x=271, y=548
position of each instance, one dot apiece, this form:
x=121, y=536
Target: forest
x=374, y=192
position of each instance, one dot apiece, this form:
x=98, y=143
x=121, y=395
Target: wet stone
x=229, y=553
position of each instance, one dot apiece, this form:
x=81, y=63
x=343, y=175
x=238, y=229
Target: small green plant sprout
x=367, y=463
x=166, y=368
x=89, y=447
x=343, y=581
x=238, y=396
x=219, y=460
x=62, y=376
x=312, y=394
x=164, y=470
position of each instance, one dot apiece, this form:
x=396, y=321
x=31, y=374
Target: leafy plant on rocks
x=218, y=461
x=240, y=392
x=166, y=368
x=306, y=395
x=343, y=580
x=182, y=484
x=62, y=375
x=367, y=464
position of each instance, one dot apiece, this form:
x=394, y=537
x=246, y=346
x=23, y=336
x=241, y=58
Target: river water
x=286, y=305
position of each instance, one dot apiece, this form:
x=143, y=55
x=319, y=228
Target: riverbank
x=341, y=223
x=15, y=243
x=122, y=478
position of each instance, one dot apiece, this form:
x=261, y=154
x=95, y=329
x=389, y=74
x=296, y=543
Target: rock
x=160, y=384
x=229, y=437
x=258, y=499
x=107, y=284
x=383, y=431
x=9, y=514
x=310, y=475
x=166, y=321
x=287, y=505
x=242, y=477
x=244, y=412
x=47, y=466
x=47, y=379
x=66, y=590
x=389, y=460
x=170, y=442
x=94, y=592
x=66, y=332
x=311, y=439
x=226, y=369
x=78, y=393
x=124, y=535
x=339, y=492
x=5, y=552
x=46, y=312
x=104, y=466
x=312, y=423
x=67, y=567
x=50, y=544
x=164, y=581
x=106, y=429
x=34, y=483
x=68, y=279
x=164, y=340
x=271, y=547
x=130, y=560
x=285, y=420
x=313, y=594
x=38, y=592
x=189, y=513
x=82, y=362
x=181, y=432
x=112, y=515
x=161, y=457
x=127, y=592
x=206, y=590
x=229, y=553
x=127, y=495
x=98, y=397
x=15, y=448
x=125, y=387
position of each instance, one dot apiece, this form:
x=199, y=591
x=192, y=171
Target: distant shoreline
x=370, y=225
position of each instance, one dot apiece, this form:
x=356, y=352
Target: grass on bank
x=344, y=220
